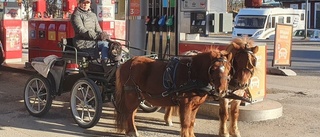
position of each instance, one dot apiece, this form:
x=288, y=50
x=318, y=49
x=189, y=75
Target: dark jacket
x=86, y=27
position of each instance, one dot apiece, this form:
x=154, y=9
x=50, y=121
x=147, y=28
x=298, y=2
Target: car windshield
x=301, y=33
x=254, y=22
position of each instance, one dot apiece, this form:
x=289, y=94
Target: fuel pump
x=39, y=8
x=198, y=22
x=155, y=25
x=68, y=7
x=45, y=32
x=162, y=28
x=151, y=26
x=10, y=27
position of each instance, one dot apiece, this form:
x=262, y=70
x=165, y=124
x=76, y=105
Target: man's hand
x=104, y=36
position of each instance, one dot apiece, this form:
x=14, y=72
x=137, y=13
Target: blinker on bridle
x=222, y=68
x=249, y=52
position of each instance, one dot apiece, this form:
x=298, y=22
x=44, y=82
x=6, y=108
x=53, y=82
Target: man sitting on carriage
x=89, y=36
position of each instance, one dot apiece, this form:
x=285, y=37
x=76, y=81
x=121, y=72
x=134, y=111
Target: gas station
x=163, y=27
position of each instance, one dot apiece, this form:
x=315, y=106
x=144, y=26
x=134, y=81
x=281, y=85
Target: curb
x=259, y=111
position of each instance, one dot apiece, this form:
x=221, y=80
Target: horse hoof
x=236, y=135
x=170, y=124
x=132, y=134
x=224, y=135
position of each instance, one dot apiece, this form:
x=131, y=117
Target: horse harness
x=231, y=94
x=169, y=80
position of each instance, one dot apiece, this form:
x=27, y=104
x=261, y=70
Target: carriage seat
x=44, y=64
x=70, y=51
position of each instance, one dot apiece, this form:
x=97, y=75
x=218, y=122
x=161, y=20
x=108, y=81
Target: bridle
x=253, y=63
x=222, y=68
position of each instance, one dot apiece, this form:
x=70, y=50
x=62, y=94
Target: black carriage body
x=88, y=75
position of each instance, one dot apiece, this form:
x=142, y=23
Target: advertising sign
x=257, y=86
x=105, y=13
x=52, y=32
x=282, y=45
x=120, y=29
x=62, y=31
x=12, y=13
x=194, y=5
x=13, y=40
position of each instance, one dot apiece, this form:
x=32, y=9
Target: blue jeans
x=103, y=48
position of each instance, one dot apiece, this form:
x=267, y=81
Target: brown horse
x=174, y=110
x=168, y=83
x=243, y=64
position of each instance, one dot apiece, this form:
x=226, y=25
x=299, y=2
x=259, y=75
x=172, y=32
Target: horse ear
x=224, y=52
x=229, y=57
x=255, y=49
x=227, y=54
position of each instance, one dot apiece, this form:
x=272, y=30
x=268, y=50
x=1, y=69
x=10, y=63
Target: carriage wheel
x=147, y=107
x=37, y=96
x=86, y=103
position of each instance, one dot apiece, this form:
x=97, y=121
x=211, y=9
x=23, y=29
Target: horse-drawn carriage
x=82, y=74
x=173, y=82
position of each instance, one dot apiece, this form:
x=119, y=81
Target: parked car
x=312, y=35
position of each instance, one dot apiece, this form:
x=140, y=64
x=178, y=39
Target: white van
x=260, y=23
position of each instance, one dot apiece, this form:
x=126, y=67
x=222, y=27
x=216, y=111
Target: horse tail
x=120, y=105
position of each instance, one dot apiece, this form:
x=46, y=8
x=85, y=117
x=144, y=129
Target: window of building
x=288, y=19
x=280, y=19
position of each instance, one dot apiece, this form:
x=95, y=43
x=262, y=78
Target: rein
x=230, y=93
x=169, y=81
x=194, y=84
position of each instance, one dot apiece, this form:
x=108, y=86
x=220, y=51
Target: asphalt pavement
x=278, y=87
x=274, y=83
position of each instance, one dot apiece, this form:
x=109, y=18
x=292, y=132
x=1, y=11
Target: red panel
x=39, y=6
x=108, y=26
x=199, y=46
x=42, y=41
x=69, y=5
x=11, y=38
x=12, y=42
x=11, y=23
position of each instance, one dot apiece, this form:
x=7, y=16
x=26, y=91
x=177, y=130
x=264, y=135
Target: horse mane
x=211, y=50
x=240, y=43
x=205, y=58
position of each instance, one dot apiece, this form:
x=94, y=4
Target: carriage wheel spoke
x=39, y=86
x=34, y=102
x=92, y=98
x=34, y=92
x=78, y=98
x=89, y=115
x=42, y=94
x=82, y=114
x=39, y=103
x=81, y=89
x=86, y=95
